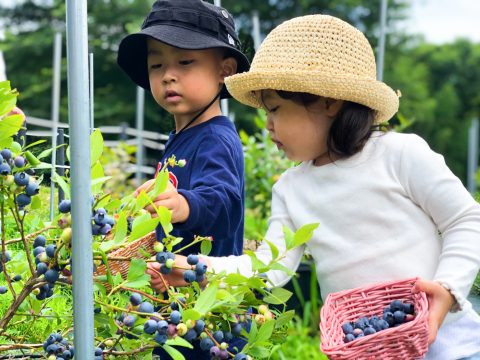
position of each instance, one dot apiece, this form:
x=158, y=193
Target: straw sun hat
x=316, y=54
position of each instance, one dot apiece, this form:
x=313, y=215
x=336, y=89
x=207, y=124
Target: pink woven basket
x=406, y=341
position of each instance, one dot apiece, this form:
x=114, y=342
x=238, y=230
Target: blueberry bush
x=130, y=318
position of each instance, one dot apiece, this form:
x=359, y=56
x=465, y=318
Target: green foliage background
x=439, y=83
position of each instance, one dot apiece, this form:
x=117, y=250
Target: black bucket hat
x=185, y=24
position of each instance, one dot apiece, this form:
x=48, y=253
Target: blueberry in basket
x=395, y=314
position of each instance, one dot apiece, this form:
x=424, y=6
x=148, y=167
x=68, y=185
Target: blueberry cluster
x=168, y=323
x=46, y=265
x=17, y=178
x=56, y=347
x=395, y=314
x=102, y=224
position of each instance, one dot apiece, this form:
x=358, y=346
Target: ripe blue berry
x=348, y=338
x=98, y=352
x=164, y=269
x=237, y=329
x=146, y=307
x=192, y=259
x=41, y=268
x=150, y=327
x=408, y=308
x=240, y=356
x=200, y=268
x=39, y=241
x=206, y=344
x=64, y=206
x=23, y=200
x=199, y=326
x=21, y=178
x=160, y=338
x=369, y=330
x=214, y=351
x=6, y=154
x=175, y=317
x=50, y=250
x=189, y=276
x=190, y=335
x=399, y=317
x=3, y=290
x=396, y=305
x=51, y=275
x=135, y=299
x=129, y=320
x=32, y=189
x=19, y=161
x=161, y=257
x=218, y=335
x=162, y=327
x=347, y=328
x=4, y=169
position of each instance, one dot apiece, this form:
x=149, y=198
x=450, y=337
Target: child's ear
x=333, y=106
x=229, y=67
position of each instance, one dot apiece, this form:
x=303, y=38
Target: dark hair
x=350, y=129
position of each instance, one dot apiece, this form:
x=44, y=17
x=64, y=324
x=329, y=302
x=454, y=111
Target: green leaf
x=206, y=299
x=36, y=203
x=191, y=314
x=277, y=296
x=143, y=228
x=284, y=319
x=121, y=228
x=174, y=353
x=161, y=182
x=63, y=184
x=96, y=146
x=273, y=249
x=235, y=279
x=10, y=125
x=304, y=234
x=278, y=266
x=265, y=331
x=289, y=236
x=165, y=217
x=34, y=144
x=179, y=341
x=137, y=269
x=139, y=282
x=205, y=247
x=32, y=160
x=256, y=263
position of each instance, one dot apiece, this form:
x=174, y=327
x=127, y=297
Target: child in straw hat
x=388, y=206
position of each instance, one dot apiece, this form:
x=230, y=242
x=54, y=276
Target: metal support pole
x=256, y=29
x=78, y=101
x=381, y=39
x=57, y=72
x=90, y=63
x=139, y=123
x=123, y=131
x=472, y=164
x=61, y=161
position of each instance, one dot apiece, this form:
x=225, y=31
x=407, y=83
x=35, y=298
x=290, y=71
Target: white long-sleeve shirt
x=392, y=211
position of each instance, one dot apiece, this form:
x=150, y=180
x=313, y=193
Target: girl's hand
x=440, y=301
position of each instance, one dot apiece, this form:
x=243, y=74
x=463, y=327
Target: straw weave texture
x=317, y=54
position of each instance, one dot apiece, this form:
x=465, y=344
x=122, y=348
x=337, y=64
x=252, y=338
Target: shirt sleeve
x=216, y=189
x=242, y=264
x=433, y=187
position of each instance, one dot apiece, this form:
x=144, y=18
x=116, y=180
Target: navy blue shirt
x=212, y=182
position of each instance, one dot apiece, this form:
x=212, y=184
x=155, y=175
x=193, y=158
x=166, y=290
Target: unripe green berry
x=169, y=263
x=158, y=247
x=224, y=346
x=181, y=329
x=262, y=309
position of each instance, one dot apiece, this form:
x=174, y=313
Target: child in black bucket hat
x=182, y=54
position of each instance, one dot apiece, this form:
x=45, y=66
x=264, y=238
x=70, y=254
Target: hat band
x=186, y=18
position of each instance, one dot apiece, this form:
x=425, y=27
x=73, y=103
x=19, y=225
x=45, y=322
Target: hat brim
x=371, y=93
x=132, y=52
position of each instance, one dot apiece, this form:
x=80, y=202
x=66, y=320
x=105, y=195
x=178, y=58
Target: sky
x=442, y=21
x=439, y=21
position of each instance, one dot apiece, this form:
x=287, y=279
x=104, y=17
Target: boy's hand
x=161, y=282
x=440, y=301
x=170, y=198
